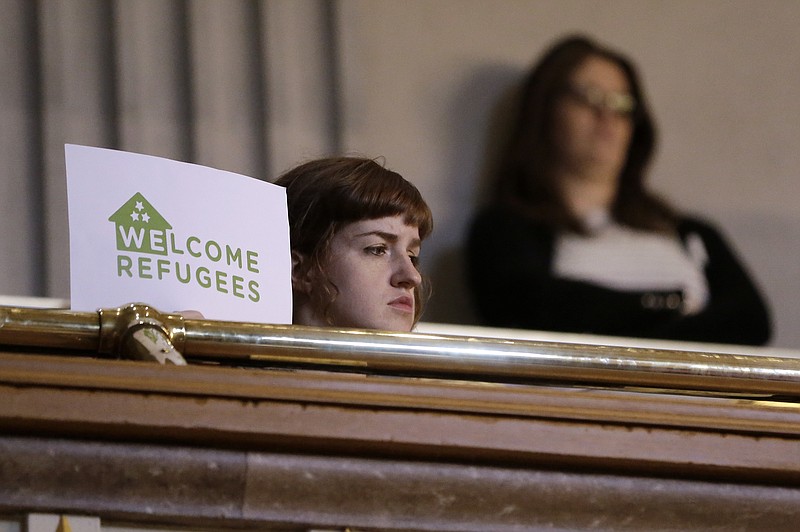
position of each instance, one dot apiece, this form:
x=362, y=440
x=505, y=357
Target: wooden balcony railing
x=286, y=427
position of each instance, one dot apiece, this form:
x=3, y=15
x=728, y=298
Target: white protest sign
x=176, y=236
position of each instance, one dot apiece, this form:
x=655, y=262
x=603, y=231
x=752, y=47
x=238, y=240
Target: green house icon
x=139, y=227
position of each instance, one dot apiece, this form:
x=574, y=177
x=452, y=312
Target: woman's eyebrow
x=389, y=237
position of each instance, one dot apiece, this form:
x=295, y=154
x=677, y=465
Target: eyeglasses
x=621, y=103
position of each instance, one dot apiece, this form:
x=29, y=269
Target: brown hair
x=526, y=178
x=324, y=195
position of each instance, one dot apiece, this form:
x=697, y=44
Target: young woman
x=575, y=241
x=356, y=229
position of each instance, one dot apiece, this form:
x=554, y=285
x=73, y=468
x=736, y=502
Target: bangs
x=378, y=193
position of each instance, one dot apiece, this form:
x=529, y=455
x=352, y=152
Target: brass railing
x=141, y=332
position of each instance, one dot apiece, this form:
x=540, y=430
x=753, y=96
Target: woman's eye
x=414, y=260
x=376, y=250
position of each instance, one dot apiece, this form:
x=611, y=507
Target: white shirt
x=621, y=258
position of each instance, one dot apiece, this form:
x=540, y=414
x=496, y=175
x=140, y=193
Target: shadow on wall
x=481, y=111
x=756, y=236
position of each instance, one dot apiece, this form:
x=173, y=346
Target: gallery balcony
x=134, y=416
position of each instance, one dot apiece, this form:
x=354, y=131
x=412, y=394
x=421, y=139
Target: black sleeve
x=507, y=267
x=736, y=312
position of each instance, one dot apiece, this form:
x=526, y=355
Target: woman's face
x=593, y=124
x=373, y=263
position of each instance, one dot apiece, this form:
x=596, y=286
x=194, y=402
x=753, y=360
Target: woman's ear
x=301, y=279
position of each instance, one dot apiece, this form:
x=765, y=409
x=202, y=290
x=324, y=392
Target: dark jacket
x=510, y=258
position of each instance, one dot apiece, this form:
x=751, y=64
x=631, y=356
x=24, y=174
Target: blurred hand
x=191, y=314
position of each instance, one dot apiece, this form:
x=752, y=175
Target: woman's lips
x=404, y=303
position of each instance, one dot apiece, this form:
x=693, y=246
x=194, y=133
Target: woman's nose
x=604, y=113
x=406, y=273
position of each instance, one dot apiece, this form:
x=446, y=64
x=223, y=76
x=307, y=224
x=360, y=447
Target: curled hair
x=526, y=178
x=324, y=195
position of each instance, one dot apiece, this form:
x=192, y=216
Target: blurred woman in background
x=574, y=240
